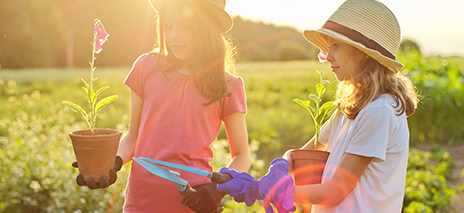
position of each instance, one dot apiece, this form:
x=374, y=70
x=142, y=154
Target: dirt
x=457, y=179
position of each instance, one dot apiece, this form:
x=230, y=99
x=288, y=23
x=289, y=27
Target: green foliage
x=440, y=82
x=36, y=156
x=319, y=113
x=426, y=187
x=36, y=153
x=417, y=207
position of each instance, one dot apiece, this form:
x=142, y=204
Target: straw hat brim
x=221, y=16
x=319, y=39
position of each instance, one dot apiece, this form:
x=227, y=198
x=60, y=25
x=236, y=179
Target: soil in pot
x=308, y=166
x=95, y=153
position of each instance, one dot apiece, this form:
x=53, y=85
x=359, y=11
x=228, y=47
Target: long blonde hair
x=215, y=57
x=368, y=80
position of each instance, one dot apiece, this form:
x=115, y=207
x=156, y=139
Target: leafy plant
x=440, y=82
x=426, y=187
x=318, y=112
x=99, y=38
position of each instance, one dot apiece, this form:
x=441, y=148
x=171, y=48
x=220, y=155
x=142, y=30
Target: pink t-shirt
x=175, y=126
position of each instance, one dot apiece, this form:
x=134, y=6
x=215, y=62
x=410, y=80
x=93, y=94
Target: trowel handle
x=188, y=191
x=220, y=178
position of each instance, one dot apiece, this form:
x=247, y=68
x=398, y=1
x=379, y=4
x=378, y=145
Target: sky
x=437, y=26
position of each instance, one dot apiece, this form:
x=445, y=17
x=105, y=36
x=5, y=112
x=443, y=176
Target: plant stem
x=90, y=89
x=316, y=123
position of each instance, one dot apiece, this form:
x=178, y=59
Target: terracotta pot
x=96, y=153
x=308, y=166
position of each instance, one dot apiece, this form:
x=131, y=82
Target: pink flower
x=322, y=57
x=101, y=36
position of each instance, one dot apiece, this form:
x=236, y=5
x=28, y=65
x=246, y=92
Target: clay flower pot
x=308, y=166
x=96, y=153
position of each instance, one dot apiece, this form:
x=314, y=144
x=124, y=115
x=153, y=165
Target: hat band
x=357, y=37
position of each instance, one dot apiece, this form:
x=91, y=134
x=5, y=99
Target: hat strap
x=357, y=37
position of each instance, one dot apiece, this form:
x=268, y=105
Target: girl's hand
x=206, y=198
x=288, y=156
x=103, y=181
x=277, y=187
x=242, y=187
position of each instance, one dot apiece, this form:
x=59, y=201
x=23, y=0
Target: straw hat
x=215, y=7
x=365, y=24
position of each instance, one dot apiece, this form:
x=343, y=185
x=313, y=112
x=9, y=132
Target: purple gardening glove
x=277, y=187
x=242, y=187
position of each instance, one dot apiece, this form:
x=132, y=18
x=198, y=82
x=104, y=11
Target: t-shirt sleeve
x=134, y=79
x=236, y=102
x=371, y=136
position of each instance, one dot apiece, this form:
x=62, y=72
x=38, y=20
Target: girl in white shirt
x=368, y=136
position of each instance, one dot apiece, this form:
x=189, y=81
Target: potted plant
x=95, y=149
x=308, y=165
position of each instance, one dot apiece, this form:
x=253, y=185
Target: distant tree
x=258, y=41
x=288, y=50
x=38, y=33
x=407, y=45
x=30, y=34
x=258, y=53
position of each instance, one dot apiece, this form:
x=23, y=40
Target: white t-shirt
x=378, y=132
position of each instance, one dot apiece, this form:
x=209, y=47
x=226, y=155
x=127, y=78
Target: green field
x=36, y=153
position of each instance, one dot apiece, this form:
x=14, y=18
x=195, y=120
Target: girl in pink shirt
x=180, y=94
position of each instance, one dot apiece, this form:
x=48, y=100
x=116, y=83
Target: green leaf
x=318, y=71
x=76, y=108
x=320, y=89
x=93, y=97
x=101, y=90
x=316, y=99
x=325, y=82
x=306, y=104
x=326, y=110
x=102, y=103
x=86, y=93
x=85, y=82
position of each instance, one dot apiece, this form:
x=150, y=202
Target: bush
x=426, y=188
x=440, y=82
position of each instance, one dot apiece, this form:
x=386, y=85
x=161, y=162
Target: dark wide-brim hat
x=215, y=7
x=368, y=25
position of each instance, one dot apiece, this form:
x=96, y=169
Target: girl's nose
x=329, y=57
x=175, y=34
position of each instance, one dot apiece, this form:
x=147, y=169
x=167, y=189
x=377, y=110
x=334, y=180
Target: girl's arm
x=237, y=135
x=333, y=192
x=127, y=145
